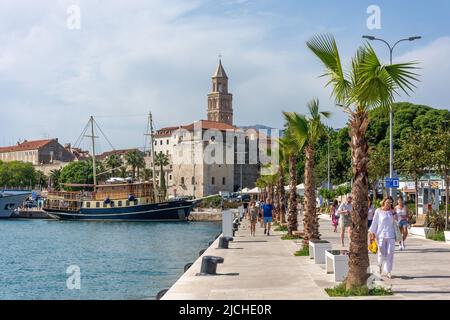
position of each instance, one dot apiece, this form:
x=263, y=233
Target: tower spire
x=220, y=101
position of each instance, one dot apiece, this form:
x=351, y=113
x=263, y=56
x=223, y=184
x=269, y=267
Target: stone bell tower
x=220, y=102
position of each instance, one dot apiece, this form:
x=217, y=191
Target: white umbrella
x=245, y=190
x=255, y=190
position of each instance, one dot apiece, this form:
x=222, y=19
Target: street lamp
x=391, y=111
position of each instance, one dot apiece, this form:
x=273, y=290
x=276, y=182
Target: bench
x=420, y=220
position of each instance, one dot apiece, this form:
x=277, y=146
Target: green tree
x=162, y=160
x=293, y=142
x=415, y=157
x=378, y=166
x=135, y=159
x=114, y=162
x=368, y=84
x=440, y=159
x=316, y=130
x=55, y=176
x=79, y=172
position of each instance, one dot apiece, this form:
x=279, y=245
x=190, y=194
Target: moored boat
x=11, y=200
x=115, y=202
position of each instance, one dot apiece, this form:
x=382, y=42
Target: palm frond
x=325, y=48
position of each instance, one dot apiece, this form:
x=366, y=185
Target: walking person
x=382, y=231
x=402, y=217
x=268, y=216
x=334, y=215
x=345, y=218
x=260, y=213
x=371, y=212
x=253, y=214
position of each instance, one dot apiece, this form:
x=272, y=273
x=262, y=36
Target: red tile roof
x=205, y=124
x=27, y=145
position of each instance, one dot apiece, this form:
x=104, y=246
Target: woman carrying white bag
x=385, y=231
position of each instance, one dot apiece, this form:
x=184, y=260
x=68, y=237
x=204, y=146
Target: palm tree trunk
x=446, y=197
x=416, y=202
x=292, y=211
x=310, y=221
x=281, y=194
x=358, y=256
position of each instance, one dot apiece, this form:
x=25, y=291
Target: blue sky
x=130, y=57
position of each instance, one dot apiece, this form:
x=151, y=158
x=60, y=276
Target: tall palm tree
x=368, y=84
x=280, y=187
x=54, y=176
x=114, y=162
x=292, y=143
x=135, y=159
x=316, y=130
x=162, y=160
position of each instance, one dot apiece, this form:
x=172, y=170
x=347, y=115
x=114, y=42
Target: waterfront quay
x=265, y=268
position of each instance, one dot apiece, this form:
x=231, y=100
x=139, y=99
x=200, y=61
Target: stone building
x=209, y=156
x=37, y=152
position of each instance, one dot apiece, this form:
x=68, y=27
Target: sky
x=131, y=57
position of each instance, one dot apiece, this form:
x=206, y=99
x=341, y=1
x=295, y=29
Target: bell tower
x=220, y=102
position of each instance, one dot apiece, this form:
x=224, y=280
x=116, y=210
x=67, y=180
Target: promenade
x=264, y=268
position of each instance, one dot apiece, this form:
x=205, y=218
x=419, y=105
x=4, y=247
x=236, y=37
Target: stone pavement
x=422, y=271
x=264, y=267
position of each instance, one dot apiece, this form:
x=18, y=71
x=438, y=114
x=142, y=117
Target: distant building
x=37, y=152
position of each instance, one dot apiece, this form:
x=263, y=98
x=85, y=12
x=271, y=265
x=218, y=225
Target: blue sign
x=392, y=183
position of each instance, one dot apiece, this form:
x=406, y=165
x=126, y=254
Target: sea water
x=96, y=260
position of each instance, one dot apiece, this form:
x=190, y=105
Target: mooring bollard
x=160, y=294
x=187, y=266
x=209, y=265
x=223, y=242
x=201, y=252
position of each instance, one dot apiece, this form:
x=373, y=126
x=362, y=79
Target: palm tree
x=54, y=176
x=316, y=130
x=162, y=160
x=281, y=197
x=114, y=162
x=292, y=143
x=368, y=84
x=135, y=159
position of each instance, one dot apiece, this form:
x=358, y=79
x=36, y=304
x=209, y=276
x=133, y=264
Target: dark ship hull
x=163, y=211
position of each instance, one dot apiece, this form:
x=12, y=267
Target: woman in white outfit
x=402, y=217
x=383, y=231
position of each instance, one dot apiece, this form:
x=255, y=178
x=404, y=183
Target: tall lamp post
x=391, y=112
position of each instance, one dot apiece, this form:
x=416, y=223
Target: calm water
x=116, y=260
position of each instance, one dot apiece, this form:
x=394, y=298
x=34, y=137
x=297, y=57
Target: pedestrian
x=345, y=218
x=371, y=212
x=268, y=216
x=253, y=213
x=334, y=215
x=402, y=217
x=260, y=213
x=382, y=231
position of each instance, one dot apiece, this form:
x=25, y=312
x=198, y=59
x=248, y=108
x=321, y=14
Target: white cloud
x=132, y=57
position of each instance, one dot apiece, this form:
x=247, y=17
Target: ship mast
x=94, y=167
x=153, y=154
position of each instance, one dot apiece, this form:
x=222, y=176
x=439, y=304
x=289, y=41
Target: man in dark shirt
x=267, y=211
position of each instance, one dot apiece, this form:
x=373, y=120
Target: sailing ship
x=116, y=199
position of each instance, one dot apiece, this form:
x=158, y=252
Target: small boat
x=11, y=200
x=117, y=199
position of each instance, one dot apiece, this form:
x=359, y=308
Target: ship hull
x=9, y=201
x=165, y=211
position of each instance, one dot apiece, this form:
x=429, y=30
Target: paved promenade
x=264, y=267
